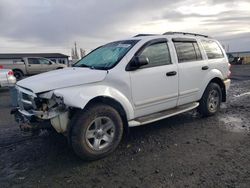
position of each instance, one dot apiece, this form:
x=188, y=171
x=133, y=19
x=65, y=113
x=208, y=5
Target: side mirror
x=137, y=62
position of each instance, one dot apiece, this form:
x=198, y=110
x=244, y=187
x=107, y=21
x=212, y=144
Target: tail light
x=229, y=72
x=10, y=73
x=1, y=66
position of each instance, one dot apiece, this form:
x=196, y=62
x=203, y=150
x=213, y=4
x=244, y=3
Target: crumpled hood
x=62, y=78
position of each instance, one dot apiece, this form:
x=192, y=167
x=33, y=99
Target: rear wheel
x=96, y=132
x=211, y=100
x=18, y=74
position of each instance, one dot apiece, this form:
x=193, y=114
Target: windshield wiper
x=87, y=66
x=100, y=68
x=82, y=65
x=91, y=67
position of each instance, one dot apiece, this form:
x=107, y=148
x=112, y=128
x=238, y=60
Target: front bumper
x=35, y=112
x=227, y=83
x=29, y=122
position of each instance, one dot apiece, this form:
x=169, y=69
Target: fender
x=80, y=96
x=213, y=73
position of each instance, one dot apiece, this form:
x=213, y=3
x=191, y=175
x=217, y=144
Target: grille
x=25, y=101
x=26, y=97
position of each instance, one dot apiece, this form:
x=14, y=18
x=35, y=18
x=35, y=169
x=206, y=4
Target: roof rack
x=143, y=35
x=184, y=33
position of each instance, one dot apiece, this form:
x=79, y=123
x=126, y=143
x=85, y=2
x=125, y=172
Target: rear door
x=192, y=69
x=154, y=86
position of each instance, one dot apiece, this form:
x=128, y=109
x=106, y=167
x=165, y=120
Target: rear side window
x=157, y=54
x=187, y=51
x=212, y=49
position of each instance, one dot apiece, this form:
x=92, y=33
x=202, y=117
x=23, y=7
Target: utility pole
x=76, y=53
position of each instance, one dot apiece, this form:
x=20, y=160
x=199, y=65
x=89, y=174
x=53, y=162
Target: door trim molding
x=157, y=99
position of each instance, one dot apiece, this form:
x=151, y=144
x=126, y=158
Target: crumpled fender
x=79, y=96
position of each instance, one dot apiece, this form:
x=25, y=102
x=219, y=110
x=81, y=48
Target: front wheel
x=96, y=131
x=211, y=100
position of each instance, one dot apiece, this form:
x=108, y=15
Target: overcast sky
x=54, y=25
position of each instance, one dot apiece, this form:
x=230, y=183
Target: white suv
x=124, y=84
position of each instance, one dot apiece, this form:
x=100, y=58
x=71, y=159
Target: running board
x=162, y=115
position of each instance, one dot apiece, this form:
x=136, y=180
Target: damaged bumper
x=29, y=122
x=34, y=112
x=32, y=121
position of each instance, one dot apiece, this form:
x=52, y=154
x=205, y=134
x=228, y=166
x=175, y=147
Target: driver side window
x=44, y=61
x=157, y=54
x=33, y=61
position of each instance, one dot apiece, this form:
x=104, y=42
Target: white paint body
x=140, y=92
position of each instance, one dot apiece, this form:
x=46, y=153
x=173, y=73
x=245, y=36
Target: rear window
x=212, y=49
x=187, y=51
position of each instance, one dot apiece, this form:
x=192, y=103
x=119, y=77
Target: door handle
x=172, y=73
x=204, y=68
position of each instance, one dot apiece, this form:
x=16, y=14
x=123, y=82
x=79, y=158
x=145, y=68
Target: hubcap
x=213, y=100
x=100, y=133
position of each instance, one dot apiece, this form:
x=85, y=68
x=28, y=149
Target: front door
x=47, y=65
x=34, y=66
x=155, y=85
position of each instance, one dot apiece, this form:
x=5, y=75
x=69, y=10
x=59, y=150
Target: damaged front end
x=40, y=111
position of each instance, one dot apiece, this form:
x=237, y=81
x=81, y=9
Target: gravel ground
x=182, y=151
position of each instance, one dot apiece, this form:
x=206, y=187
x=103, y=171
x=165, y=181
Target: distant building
x=55, y=57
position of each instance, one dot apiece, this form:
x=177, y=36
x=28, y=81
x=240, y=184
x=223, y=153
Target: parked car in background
x=124, y=84
x=235, y=60
x=30, y=66
x=7, y=78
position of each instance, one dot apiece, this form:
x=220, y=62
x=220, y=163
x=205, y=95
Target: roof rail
x=143, y=35
x=184, y=33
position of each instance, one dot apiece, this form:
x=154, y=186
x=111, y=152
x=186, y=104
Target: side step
x=162, y=115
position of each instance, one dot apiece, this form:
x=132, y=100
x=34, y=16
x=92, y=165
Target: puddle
x=243, y=94
x=223, y=106
x=234, y=124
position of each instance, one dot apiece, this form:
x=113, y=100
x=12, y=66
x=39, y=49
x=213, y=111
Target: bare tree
x=82, y=52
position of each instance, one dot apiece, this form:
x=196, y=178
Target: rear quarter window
x=212, y=49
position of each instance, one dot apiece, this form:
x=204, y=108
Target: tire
x=18, y=74
x=96, y=131
x=211, y=100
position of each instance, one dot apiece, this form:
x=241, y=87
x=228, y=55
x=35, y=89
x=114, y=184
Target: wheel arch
x=17, y=69
x=115, y=104
x=220, y=82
